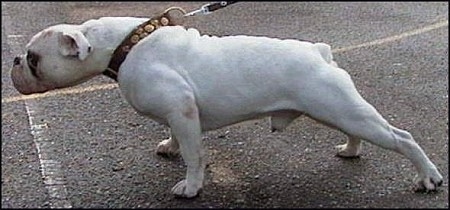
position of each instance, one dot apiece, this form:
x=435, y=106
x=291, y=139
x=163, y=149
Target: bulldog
x=193, y=83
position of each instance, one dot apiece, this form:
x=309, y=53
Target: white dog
x=195, y=83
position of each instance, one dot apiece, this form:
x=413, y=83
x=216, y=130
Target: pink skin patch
x=190, y=112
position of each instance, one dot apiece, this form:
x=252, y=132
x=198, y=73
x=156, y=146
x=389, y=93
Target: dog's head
x=57, y=57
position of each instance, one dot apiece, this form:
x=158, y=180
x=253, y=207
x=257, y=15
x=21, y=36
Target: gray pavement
x=107, y=151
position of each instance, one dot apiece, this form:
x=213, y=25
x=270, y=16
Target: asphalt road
x=105, y=151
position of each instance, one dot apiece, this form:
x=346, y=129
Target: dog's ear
x=74, y=43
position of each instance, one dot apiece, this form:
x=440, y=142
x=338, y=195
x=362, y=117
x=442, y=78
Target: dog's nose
x=16, y=61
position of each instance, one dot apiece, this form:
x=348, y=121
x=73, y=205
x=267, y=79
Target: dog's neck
x=133, y=34
x=105, y=35
x=138, y=33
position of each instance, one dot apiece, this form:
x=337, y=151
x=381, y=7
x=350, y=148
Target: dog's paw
x=347, y=152
x=184, y=190
x=166, y=148
x=426, y=183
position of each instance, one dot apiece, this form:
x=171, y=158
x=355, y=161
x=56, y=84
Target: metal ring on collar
x=175, y=8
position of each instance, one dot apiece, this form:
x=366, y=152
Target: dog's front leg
x=185, y=127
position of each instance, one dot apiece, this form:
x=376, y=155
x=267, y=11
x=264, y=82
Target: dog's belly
x=212, y=122
x=224, y=102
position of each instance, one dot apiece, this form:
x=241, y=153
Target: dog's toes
x=344, y=152
x=428, y=183
x=183, y=190
x=439, y=183
x=424, y=187
x=166, y=150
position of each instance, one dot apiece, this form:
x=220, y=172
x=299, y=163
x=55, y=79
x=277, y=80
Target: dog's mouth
x=23, y=84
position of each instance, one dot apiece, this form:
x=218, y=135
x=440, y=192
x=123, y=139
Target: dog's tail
x=325, y=52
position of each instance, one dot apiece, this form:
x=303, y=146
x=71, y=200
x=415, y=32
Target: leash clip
x=208, y=8
x=203, y=11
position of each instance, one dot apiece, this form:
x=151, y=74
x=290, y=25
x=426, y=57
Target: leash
x=209, y=8
x=146, y=28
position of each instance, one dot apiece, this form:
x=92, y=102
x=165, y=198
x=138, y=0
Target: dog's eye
x=33, y=60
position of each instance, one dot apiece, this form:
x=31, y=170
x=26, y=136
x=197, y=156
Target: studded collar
x=137, y=34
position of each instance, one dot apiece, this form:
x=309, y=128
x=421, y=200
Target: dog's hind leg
x=337, y=103
x=366, y=123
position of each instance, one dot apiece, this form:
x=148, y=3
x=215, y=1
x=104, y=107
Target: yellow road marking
x=60, y=92
x=395, y=37
x=425, y=29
